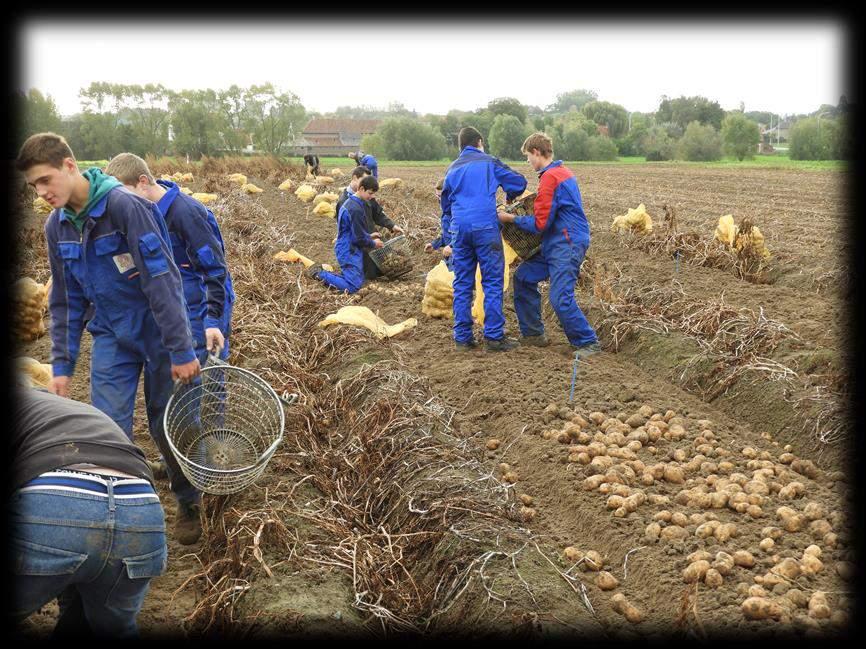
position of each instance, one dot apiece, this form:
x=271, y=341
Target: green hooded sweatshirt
x=100, y=184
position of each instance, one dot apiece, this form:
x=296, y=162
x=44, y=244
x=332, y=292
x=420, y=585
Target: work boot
x=187, y=523
x=313, y=271
x=588, y=349
x=501, y=345
x=535, y=341
x=465, y=347
x=158, y=468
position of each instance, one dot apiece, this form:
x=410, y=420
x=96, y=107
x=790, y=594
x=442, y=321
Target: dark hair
x=43, y=148
x=369, y=183
x=468, y=136
x=360, y=172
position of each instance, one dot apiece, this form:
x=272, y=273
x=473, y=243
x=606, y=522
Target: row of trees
x=153, y=119
x=119, y=117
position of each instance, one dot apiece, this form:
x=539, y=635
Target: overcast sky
x=791, y=67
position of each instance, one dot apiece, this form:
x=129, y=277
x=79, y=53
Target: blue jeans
x=106, y=549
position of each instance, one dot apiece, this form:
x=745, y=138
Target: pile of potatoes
x=723, y=493
x=29, y=302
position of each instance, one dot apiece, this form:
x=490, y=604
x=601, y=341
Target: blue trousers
x=114, y=372
x=106, y=549
x=473, y=248
x=562, y=266
x=351, y=275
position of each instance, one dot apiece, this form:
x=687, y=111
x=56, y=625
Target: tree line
x=156, y=120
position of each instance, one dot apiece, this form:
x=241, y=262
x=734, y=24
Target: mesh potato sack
x=390, y=182
x=324, y=208
x=286, y=185
x=249, y=188
x=438, y=297
x=29, y=301
x=40, y=373
x=240, y=179
x=635, y=220
x=41, y=206
x=305, y=193
x=205, y=198
x=478, y=304
x=726, y=231
x=325, y=196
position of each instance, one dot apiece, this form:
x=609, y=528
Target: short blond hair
x=541, y=142
x=128, y=168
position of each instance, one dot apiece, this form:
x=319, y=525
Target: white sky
x=785, y=67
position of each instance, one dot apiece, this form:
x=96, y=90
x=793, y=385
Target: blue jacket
x=351, y=230
x=469, y=190
x=444, y=238
x=199, y=253
x=120, y=264
x=371, y=163
x=558, y=208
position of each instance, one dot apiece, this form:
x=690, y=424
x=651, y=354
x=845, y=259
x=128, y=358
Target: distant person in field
x=311, y=162
x=469, y=203
x=366, y=160
x=442, y=241
x=108, y=249
x=86, y=524
x=560, y=219
x=375, y=217
x=352, y=240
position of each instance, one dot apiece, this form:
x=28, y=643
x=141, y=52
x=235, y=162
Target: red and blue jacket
x=559, y=211
x=469, y=191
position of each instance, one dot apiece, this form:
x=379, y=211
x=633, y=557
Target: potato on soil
x=621, y=605
x=511, y=476
x=696, y=571
x=787, y=568
x=818, y=607
x=527, y=513
x=526, y=499
x=761, y=608
x=744, y=559
x=493, y=444
x=594, y=561
x=606, y=581
x=713, y=578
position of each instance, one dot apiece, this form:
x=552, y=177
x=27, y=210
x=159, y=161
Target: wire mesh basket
x=524, y=243
x=393, y=258
x=224, y=427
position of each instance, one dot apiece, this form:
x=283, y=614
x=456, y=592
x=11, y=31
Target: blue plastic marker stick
x=573, y=377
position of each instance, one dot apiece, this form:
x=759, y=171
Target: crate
x=393, y=259
x=524, y=243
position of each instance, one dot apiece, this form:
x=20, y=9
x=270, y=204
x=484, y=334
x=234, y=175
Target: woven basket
x=524, y=243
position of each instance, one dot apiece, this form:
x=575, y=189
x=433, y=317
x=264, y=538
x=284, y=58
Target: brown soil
x=504, y=396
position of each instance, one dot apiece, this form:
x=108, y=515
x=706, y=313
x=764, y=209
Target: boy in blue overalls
x=560, y=219
x=366, y=160
x=107, y=249
x=469, y=201
x=352, y=239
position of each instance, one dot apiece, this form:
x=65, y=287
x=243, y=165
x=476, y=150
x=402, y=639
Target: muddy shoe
x=313, y=271
x=187, y=525
x=587, y=350
x=535, y=341
x=466, y=347
x=158, y=469
x=501, y=345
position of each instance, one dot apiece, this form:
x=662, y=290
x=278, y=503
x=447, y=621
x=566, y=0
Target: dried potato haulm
x=29, y=302
x=438, y=298
x=635, y=220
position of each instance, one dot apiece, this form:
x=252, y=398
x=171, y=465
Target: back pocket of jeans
x=34, y=559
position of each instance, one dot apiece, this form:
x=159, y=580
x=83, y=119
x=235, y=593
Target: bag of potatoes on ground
x=439, y=292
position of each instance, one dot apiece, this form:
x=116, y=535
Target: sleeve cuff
x=527, y=223
x=62, y=369
x=182, y=357
x=211, y=322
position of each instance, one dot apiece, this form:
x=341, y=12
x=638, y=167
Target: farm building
x=334, y=136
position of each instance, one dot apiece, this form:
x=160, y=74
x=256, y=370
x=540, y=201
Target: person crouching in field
x=366, y=160
x=375, y=217
x=560, y=219
x=442, y=241
x=108, y=249
x=86, y=523
x=352, y=240
x=311, y=163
